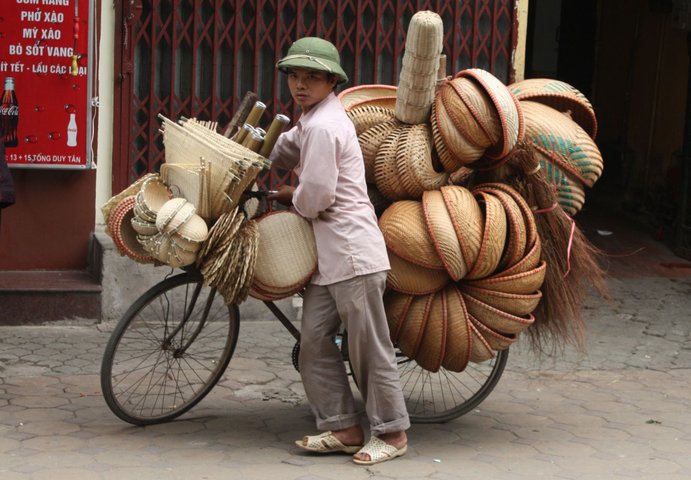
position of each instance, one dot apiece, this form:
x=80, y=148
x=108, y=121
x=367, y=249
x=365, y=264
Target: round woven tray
x=374, y=95
x=123, y=234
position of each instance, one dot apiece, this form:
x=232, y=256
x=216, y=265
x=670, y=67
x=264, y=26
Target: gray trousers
x=357, y=303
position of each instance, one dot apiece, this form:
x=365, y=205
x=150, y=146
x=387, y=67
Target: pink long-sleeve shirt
x=323, y=151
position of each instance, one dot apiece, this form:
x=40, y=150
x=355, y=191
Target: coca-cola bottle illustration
x=9, y=114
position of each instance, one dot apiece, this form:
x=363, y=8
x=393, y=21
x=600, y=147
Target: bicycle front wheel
x=168, y=351
x=436, y=397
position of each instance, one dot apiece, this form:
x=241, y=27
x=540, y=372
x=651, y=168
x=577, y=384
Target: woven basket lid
x=286, y=251
x=396, y=305
x=513, y=303
x=480, y=349
x=370, y=140
x=414, y=161
x=413, y=326
x=452, y=123
x=516, y=235
x=457, y=351
x=563, y=142
x=368, y=116
x=412, y=279
x=468, y=221
x=521, y=283
x=151, y=197
x=124, y=236
x=561, y=96
x=498, y=320
x=430, y=354
x=441, y=230
x=386, y=174
x=403, y=227
x=495, y=340
x=493, y=236
x=368, y=95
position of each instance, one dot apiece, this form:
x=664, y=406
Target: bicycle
x=174, y=344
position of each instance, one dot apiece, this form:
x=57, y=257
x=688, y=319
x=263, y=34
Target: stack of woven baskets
x=466, y=266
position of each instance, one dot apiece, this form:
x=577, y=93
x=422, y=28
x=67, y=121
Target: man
x=348, y=286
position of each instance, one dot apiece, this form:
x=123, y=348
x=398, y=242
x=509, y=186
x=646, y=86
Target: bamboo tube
x=277, y=126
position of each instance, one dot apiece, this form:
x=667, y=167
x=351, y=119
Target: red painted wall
x=50, y=226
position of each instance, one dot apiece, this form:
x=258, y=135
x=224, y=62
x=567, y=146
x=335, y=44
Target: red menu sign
x=44, y=72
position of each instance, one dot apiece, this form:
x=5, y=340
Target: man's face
x=309, y=87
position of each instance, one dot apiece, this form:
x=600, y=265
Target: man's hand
x=284, y=195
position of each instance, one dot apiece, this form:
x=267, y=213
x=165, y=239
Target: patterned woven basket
x=562, y=142
x=562, y=97
x=385, y=170
x=370, y=140
x=480, y=349
x=432, y=347
x=367, y=116
x=495, y=340
x=496, y=319
x=512, y=303
x=521, y=283
x=493, y=236
x=414, y=161
x=468, y=221
x=457, y=352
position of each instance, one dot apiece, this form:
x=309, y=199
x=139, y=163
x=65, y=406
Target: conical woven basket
x=418, y=77
x=405, y=233
x=561, y=96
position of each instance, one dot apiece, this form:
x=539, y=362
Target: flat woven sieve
x=286, y=251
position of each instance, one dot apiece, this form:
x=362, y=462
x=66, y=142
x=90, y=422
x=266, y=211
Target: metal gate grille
x=197, y=58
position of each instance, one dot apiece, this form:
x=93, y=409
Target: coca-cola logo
x=9, y=111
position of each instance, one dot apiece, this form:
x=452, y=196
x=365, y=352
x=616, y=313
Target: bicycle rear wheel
x=444, y=395
x=168, y=351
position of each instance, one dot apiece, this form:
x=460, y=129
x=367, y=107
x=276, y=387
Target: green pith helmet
x=313, y=53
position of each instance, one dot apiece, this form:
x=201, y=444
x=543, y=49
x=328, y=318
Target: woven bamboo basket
x=513, y=303
x=418, y=77
x=441, y=230
x=366, y=117
x=405, y=233
x=495, y=340
x=493, y=237
x=562, y=97
x=562, y=142
x=496, y=319
x=414, y=161
x=411, y=279
x=480, y=349
x=396, y=305
x=521, y=283
x=413, y=327
x=370, y=140
x=467, y=219
x=432, y=347
x=373, y=95
x=385, y=170
x=457, y=351
x=286, y=253
x=123, y=234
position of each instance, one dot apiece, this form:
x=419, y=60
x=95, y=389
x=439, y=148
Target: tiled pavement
x=623, y=410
